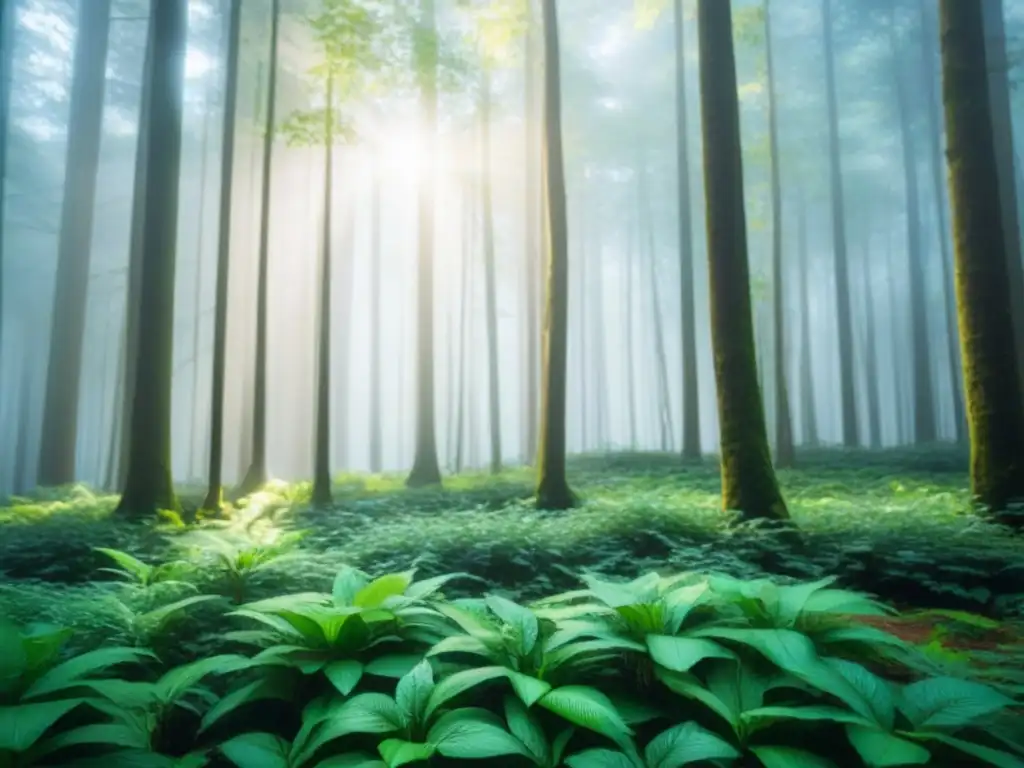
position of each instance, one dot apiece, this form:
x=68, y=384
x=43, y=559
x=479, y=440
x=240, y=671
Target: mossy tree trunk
x=691, y=382
x=994, y=403
x=848, y=413
x=322, y=418
x=212, y=501
x=425, y=468
x=784, y=453
x=553, y=490
x=256, y=474
x=490, y=276
x=749, y=486
x=67, y=331
x=149, y=487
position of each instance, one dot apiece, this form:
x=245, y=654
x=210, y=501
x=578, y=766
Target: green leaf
x=790, y=757
x=528, y=689
x=414, y=691
x=765, y=716
x=466, y=644
x=601, y=758
x=380, y=589
x=344, y=675
x=347, y=584
x=590, y=709
x=689, y=686
x=13, y=656
x=132, y=565
x=879, y=749
x=427, y=587
x=102, y=734
x=398, y=752
x=258, y=690
x=521, y=619
x=524, y=726
x=180, y=680
x=363, y=713
x=392, y=665
x=158, y=617
x=352, y=760
x=73, y=670
x=256, y=750
x=23, y=725
x=473, y=734
x=681, y=653
x=684, y=744
x=874, y=689
x=42, y=644
x=460, y=682
x=949, y=702
x=994, y=757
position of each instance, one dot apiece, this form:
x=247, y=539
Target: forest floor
x=897, y=524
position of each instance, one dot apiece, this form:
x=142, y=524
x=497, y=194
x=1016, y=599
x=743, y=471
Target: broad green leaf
x=765, y=716
x=842, y=601
x=470, y=622
x=612, y=594
x=344, y=675
x=392, y=665
x=458, y=683
x=363, y=713
x=13, y=658
x=528, y=689
x=71, y=671
x=790, y=757
x=681, y=653
x=351, y=761
x=585, y=651
x=473, y=734
x=685, y=744
x=21, y=726
x=524, y=726
x=159, y=616
x=949, y=702
x=994, y=757
x=42, y=644
x=874, y=689
x=427, y=587
x=413, y=691
x=180, y=680
x=380, y=589
x=880, y=749
x=465, y=644
x=689, y=686
x=258, y=690
x=521, y=619
x=590, y=709
x=560, y=743
x=347, y=584
x=101, y=734
x=398, y=752
x=256, y=750
x=601, y=758
x=132, y=565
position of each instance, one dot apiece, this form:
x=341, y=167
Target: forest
x=583, y=383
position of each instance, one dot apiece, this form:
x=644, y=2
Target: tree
x=220, y=333
x=749, y=485
x=994, y=404
x=6, y=59
x=691, y=389
x=553, y=490
x=256, y=475
x=425, y=469
x=67, y=331
x=148, y=486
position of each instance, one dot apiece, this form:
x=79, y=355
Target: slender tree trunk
x=627, y=309
x=425, y=470
x=532, y=271
x=376, y=319
x=842, y=277
x=925, y=430
x=67, y=332
x=929, y=60
x=256, y=475
x=810, y=412
x=149, y=486
x=346, y=267
x=553, y=490
x=212, y=502
x=6, y=70
x=465, y=291
x=321, y=496
x=992, y=382
x=21, y=480
x=580, y=313
x=596, y=321
x=490, y=276
x=749, y=486
x=894, y=340
x=691, y=389
x=873, y=389
x=784, y=453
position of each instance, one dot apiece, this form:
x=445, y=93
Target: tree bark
x=532, y=238
x=809, y=411
x=850, y=430
x=376, y=318
x=749, y=486
x=425, y=469
x=6, y=69
x=256, y=474
x=992, y=382
x=149, y=487
x=212, y=502
x=67, y=332
x=553, y=490
x=490, y=276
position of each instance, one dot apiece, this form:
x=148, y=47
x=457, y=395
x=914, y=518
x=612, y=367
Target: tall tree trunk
x=197, y=286
x=896, y=355
x=425, y=470
x=256, y=474
x=342, y=423
x=553, y=490
x=749, y=486
x=67, y=332
x=580, y=313
x=873, y=389
x=627, y=309
x=929, y=60
x=21, y=480
x=212, y=501
x=149, y=486
x=691, y=388
x=924, y=399
x=842, y=277
x=784, y=453
x=465, y=291
x=809, y=414
x=321, y=496
x=376, y=318
x=490, y=276
x=1002, y=133
x=596, y=322
x=532, y=236
x=6, y=70
x=992, y=382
